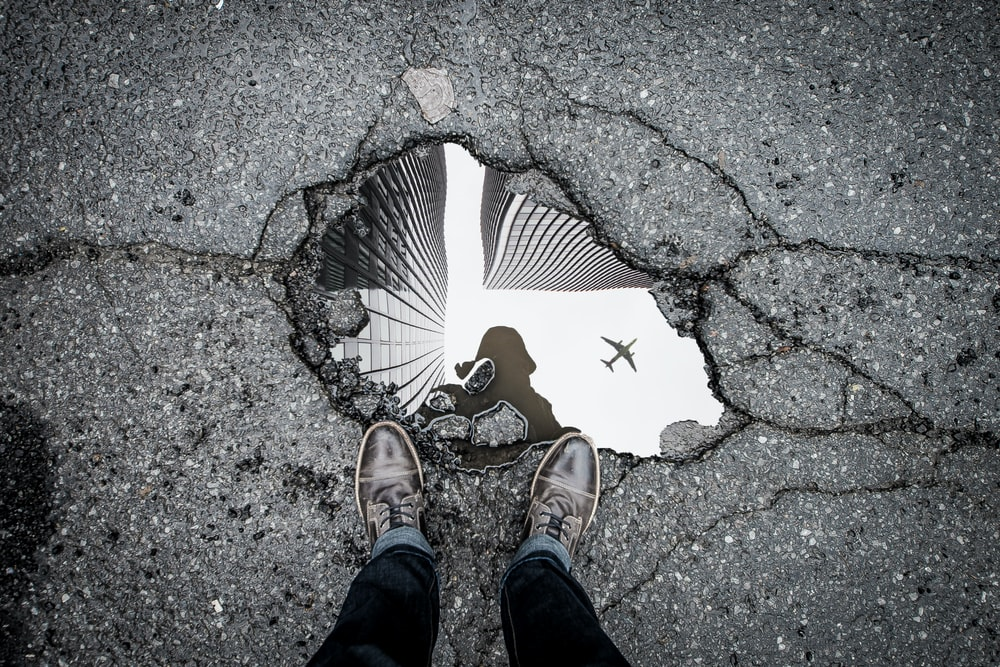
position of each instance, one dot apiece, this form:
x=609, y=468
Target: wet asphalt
x=813, y=186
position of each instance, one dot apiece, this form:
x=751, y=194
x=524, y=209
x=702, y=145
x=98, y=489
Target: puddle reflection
x=502, y=413
x=506, y=260
x=392, y=252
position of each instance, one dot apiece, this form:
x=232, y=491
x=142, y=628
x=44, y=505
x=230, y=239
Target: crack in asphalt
x=631, y=463
x=259, y=247
x=366, y=138
x=156, y=252
x=785, y=334
x=959, y=440
x=109, y=297
x=725, y=178
x=905, y=260
x=776, y=497
x=635, y=588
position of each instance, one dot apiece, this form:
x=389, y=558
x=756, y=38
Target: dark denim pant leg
x=390, y=616
x=547, y=617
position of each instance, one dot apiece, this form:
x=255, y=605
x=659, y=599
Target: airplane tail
x=609, y=365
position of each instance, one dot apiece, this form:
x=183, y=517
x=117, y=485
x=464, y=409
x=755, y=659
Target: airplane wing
x=612, y=343
x=628, y=357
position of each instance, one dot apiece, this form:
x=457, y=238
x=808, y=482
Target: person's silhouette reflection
x=511, y=383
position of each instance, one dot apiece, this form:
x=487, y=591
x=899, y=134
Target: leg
x=390, y=616
x=547, y=617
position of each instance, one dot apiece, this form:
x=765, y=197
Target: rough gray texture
x=685, y=441
x=539, y=188
x=814, y=186
x=441, y=401
x=451, y=427
x=286, y=228
x=481, y=377
x=500, y=425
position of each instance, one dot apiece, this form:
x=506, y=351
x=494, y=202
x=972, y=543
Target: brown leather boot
x=388, y=483
x=565, y=490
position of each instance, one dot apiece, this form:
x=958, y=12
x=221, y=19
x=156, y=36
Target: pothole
x=503, y=334
x=392, y=252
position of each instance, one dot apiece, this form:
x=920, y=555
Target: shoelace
x=555, y=522
x=396, y=512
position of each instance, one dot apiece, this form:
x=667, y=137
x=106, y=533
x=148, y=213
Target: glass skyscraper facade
x=391, y=250
x=393, y=253
x=532, y=247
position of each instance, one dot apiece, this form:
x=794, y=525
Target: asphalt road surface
x=813, y=185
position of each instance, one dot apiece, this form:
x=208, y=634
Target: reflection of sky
x=623, y=410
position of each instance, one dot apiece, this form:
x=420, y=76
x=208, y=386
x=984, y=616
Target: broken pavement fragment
x=500, y=425
x=345, y=312
x=433, y=90
x=287, y=226
x=451, y=427
x=441, y=401
x=686, y=440
x=481, y=377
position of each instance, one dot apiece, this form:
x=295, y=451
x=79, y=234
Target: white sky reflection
x=623, y=410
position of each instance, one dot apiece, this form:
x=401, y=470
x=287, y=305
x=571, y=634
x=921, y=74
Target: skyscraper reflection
x=392, y=252
x=532, y=247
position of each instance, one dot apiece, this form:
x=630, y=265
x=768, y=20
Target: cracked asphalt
x=813, y=186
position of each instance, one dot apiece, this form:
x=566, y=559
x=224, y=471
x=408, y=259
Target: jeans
x=390, y=616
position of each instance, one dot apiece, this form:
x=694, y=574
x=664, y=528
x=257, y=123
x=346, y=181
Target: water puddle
x=393, y=254
x=500, y=322
x=495, y=413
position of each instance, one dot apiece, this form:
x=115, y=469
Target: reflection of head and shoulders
x=511, y=382
x=506, y=348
